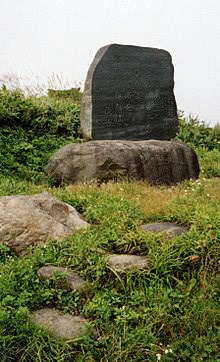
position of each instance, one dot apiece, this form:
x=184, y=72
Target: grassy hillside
x=169, y=312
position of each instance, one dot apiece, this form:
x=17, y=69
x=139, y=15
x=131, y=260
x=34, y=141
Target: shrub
x=32, y=129
x=197, y=133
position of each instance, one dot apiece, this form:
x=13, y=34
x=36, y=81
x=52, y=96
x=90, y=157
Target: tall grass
x=33, y=86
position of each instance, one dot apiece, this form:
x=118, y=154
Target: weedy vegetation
x=169, y=312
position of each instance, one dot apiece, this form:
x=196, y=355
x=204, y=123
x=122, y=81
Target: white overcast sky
x=41, y=37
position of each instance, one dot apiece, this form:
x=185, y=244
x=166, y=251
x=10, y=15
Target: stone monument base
x=157, y=162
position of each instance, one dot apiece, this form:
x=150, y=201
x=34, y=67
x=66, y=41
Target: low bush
x=31, y=129
x=198, y=134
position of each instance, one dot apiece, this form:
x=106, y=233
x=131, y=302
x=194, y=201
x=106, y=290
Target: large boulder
x=33, y=220
x=158, y=162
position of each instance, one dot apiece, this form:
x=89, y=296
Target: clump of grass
x=69, y=95
x=209, y=161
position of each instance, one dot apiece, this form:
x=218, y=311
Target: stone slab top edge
x=105, y=47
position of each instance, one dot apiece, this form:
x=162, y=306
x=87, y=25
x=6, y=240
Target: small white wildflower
x=158, y=355
x=170, y=350
x=193, y=189
x=207, y=195
x=121, y=189
x=166, y=351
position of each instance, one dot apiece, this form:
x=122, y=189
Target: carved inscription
x=123, y=104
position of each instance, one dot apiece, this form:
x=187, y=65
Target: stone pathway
x=66, y=326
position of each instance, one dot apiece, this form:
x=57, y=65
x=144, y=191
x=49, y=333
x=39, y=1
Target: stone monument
x=129, y=95
x=129, y=115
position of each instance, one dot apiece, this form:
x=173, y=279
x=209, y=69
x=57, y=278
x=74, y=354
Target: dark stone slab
x=168, y=228
x=129, y=95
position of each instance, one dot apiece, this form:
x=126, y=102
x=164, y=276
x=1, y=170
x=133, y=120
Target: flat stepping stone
x=68, y=277
x=59, y=325
x=167, y=228
x=125, y=262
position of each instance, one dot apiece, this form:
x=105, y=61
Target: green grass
x=169, y=312
x=172, y=306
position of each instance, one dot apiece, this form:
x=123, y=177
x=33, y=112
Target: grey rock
x=33, y=220
x=64, y=326
x=125, y=262
x=69, y=279
x=167, y=228
x=158, y=162
x=128, y=95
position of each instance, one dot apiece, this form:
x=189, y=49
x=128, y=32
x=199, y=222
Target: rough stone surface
x=32, y=220
x=128, y=95
x=158, y=162
x=59, y=325
x=125, y=262
x=71, y=279
x=167, y=228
